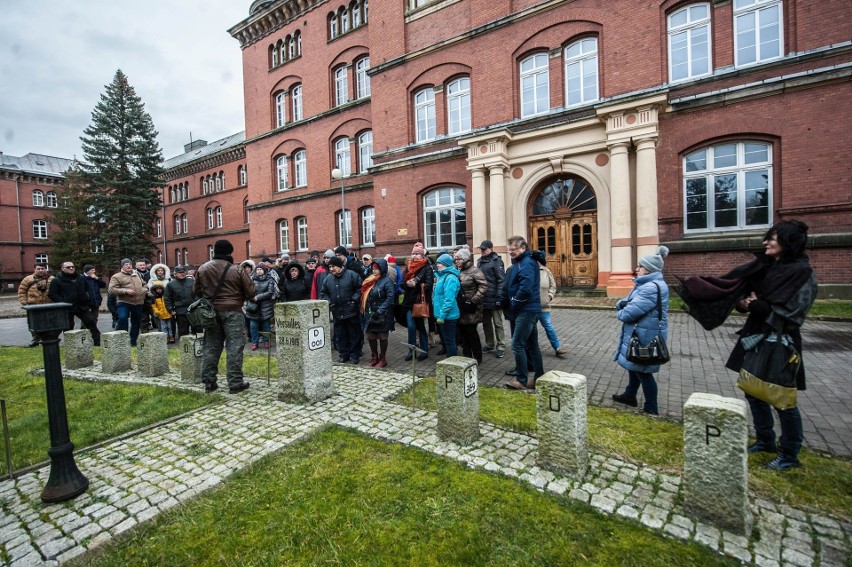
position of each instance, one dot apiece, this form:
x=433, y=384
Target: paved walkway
x=134, y=479
x=698, y=359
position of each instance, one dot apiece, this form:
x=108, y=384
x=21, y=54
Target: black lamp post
x=66, y=481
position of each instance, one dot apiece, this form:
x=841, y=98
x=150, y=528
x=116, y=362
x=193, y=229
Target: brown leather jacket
x=235, y=290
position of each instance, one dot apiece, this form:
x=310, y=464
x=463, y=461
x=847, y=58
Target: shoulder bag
x=655, y=352
x=201, y=313
x=420, y=308
x=769, y=370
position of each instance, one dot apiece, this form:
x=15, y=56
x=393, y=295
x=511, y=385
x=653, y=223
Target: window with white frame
x=368, y=226
x=281, y=172
x=332, y=25
x=210, y=252
x=458, y=106
x=445, y=217
x=535, y=85
x=159, y=227
x=283, y=236
x=210, y=217
x=178, y=225
x=362, y=80
x=581, y=72
x=38, y=198
x=689, y=42
x=728, y=186
x=51, y=200
x=291, y=47
x=246, y=214
x=217, y=212
x=296, y=102
x=243, y=176
x=40, y=229
x=185, y=223
x=177, y=257
x=41, y=259
x=302, y=232
x=300, y=165
x=172, y=195
x=185, y=257
x=280, y=109
x=220, y=182
x=365, y=151
x=204, y=185
x=355, y=9
x=757, y=31
x=341, y=85
x=344, y=228
x=342, y=157
x=424, y=114
x=344, y=20
x=273, y=56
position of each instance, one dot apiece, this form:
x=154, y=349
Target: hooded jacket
x=293, y=289
x=444, y=303
x=158, y=306
x=380, y=301
x=638, y=311
x=266, y=292
x=154, y=278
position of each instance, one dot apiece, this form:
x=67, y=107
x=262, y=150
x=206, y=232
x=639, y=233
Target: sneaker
x=782, y=463
x=487, y=349
x=239, y=388
x=762, y=447
x=560, y=352
x=210, y=387
x=500, y=354
x=625, y=399
x=511, y=373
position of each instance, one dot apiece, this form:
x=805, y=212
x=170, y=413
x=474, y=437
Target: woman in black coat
x=293, y=286
x=261, y=308
x=378, y=296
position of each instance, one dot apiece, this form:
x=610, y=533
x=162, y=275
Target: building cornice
x=234, y=153
x=34, y=179
x=269, y=19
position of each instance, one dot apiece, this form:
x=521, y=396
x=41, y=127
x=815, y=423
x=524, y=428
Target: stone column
x=647, y=216
x=458, y=400
x=153, y=354
x=115, y=351
x=478, y=210
x=715, y=434
x=303, y=341
x=190, y=358
x=78, y=349
x=562, y=423
x=621, y=278
x=497, y=208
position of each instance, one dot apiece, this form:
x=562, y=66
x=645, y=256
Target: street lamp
x=337, y=173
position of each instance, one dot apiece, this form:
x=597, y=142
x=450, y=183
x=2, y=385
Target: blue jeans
x=258, y=326
x=448, y=335
x=544, y=319
x=417, y=327
x=791, y=426
x=649, y=388
x=134, y=314
x=525, y=339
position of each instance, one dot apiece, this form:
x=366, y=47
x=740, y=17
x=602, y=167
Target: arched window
x=365, y=151
x=283, y=236
x=282, y=51
x=344, y=228
x=51, y=200
x=424, y=114
x=38, y=198
x=300, y=164
x=341, y=85
x=177, y=257
x=689, y=42
x=204, y=185
x=342, y=157
x=445, y=217
x=281, y=171
x=355, y=9
x=368, y=226
x=366, y=11
x=344, y=19
x=273, y=57
x=296, y=102
x=291, y=47
x=362, y=80
x=219, y=178
x=535, y=85
x=246, y=216
x=566, y=194
x=458, y=106
x=171, y=194
x=581, y=72
x=302, y=230
x=243, y=175
x=332, y=25
x=298, y=43
x=280, y=109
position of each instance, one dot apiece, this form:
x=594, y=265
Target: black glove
x=759, y=307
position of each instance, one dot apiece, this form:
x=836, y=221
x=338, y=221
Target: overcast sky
x=56, y=56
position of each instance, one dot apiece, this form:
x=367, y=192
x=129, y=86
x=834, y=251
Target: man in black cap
x=94, y=285
x=342, y=290
x=228, y=332
x=492, y=311
x=178, y=297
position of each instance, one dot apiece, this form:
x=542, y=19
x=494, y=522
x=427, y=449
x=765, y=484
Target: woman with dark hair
x=292, y=286
x=260, y=310
x=378, y=296
x=776, y=289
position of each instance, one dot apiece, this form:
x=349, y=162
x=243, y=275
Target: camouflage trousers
x=228, y=334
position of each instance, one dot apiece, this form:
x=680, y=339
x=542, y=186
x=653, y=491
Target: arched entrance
x=563, y=223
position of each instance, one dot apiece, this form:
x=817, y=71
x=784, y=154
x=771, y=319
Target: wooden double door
x=571, y=245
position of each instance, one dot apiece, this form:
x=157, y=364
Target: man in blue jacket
x=525, y=305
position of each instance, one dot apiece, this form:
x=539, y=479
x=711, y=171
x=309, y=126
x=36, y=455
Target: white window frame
x=38, y=198
x=42, y=258
x=296, y=102
x=274, y=62
x=220, y=179
x=368, y=226
x=281, y=166
x=343, y=156
x=365, y=151
x=740, y=171
x=691, y=31
x=185, y=257
x=586, y=62
x=535, y=79
x=185, y=222
x=344, y=20
x=302, y=233
x=282, y=57
x=356, y=15
x=280, y=109
x=458, y=106
x=178, y=225
x=50, y=200
x=332, y=26
x=284, y=235
x=210, y=252
x=424, y=114
x=758, y=11
x=291, y=47
x=453, y=200
x=300, y=167
x=40, y=229
x=159, y=227
x=341, y=85
x=177, y=257
x=209, y=217
x=204, y=185
x=243, y=176
x=362, y=79
x=344, y=232
x=218, y=212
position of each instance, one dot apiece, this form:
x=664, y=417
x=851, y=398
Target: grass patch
x=821, y=484
x=841, y=308
x=341, y=498
x=96, y=410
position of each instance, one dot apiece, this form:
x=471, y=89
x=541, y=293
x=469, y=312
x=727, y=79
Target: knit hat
x=463, y=253
x=329, y=253
x=223, y=248
x=445, y=259
x=125, y=261
x=88, y=267
x=179, y=270
x=419, y=249
x=341, y=250
x=390, y=259
x=654, y=262
x=335, y=261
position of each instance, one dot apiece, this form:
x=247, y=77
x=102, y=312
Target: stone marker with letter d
x=115, y=351
x=303, y=351
x=190, y=358
x=458, y=400
x=78, y=349
x=715, y=434
x=562, y=423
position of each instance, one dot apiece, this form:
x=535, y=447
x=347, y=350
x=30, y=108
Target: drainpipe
x=20, y=233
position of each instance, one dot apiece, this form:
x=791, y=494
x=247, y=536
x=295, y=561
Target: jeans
x=448, y=335
x=259, y=326
x=649, y=388
x=524, y=339
x=417, y=326
x=468, y=336
x=492, y=327
x=791, y=426
x=182, y=325
x=227, y=333
x=134, y=313
x=348, y=333
x=544, y=319
x=166, y=327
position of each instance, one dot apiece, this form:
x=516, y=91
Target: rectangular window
x=458, y=106
x=344, y=229
x=41, y=259
x=210, y=218
x=302, y=229
x=185, y=224
x=218, y=217
x=535, y=85
x=424, y=111
x=40, y=229
x=301, y=163
x=362, y=80
x=283, y=236
x=581, y=72
x=281, y=172
x=368, y=226
x=296, y=102
x=38, y=199
x=365, y=151
x=757, y=31
x=159, y=227
x=341, y=86
x=689, y=42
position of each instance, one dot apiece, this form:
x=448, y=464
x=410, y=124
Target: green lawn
x=840, y=308
x=339, y=498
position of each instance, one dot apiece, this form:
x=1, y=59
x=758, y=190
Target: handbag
x=769, y=370
x=420, y=308
x=655, y=352
x=200, y=312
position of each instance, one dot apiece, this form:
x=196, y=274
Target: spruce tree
x=122, y=171
x=74, y=236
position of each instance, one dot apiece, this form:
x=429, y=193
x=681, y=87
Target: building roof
x=36, y=164
x=204, y=151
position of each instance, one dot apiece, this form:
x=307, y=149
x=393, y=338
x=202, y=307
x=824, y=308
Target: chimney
x=193, y=145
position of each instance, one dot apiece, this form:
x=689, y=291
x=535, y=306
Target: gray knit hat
x=654, y=262
x=125, y=261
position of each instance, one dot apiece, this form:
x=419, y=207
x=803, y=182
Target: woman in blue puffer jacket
x=638, y=311
x=444, y=302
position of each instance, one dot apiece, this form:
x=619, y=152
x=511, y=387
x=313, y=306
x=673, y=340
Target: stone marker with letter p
x=715, y=434
x=562, y=423
x=458, y=400
x=78, y=349
x=303, y=351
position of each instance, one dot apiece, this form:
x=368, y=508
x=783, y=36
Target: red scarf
x=414, y=266
x=365, y=290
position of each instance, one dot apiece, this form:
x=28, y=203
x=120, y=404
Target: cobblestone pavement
x=698, y=359
x=135, y=478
